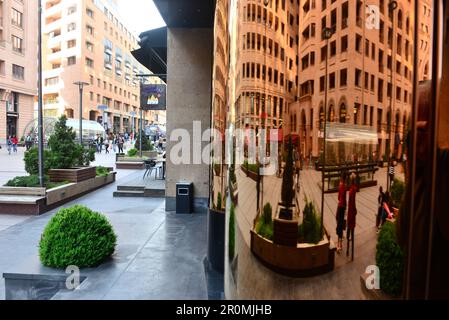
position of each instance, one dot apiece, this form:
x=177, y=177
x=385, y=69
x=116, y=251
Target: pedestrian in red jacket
x=352, y=212
x=341, y=212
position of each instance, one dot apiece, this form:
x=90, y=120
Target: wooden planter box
x=72, y=175
x=150, y=154
x=300, y=260
x=250, y=174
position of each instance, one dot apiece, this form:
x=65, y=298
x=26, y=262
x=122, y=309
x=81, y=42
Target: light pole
x=392, y=5
x=40, y=113
x=327, y=34
x=81, y=85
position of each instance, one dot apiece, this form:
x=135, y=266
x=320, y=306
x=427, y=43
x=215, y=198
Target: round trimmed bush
x=77, y=236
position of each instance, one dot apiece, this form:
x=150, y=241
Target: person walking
x=121, y=142
x=9, y=144
x=380, y=202
x=352, y=212
x=341, y=212
x=15, y=142
x=297, y=166
x=106, y=145
x=28, y=141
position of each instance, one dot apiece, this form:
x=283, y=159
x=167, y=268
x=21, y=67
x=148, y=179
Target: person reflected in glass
x=380, y=202
x=341, y=209
x=352, y=212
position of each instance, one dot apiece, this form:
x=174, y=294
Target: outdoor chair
x=150, y=165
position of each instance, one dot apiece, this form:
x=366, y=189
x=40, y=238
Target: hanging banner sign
x=153, y=97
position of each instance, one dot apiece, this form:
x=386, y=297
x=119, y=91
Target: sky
x=140, y=15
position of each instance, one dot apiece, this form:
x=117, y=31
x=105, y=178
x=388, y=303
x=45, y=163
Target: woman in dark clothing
x=341, y=212
x=380, y=201
x=352, y=212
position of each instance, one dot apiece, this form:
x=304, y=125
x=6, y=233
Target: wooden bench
x=130, y=165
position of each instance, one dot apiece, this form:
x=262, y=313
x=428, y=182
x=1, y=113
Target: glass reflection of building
x=269, y=73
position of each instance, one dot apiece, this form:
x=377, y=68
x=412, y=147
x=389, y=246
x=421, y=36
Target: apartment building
x=86, y=41
x=267, y=75
x=18, y=65
x=369, y=70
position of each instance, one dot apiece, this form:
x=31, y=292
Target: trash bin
x=184, y=197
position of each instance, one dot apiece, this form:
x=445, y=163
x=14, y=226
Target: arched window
x=331, y=116
x=407, y=25
x=342, y=114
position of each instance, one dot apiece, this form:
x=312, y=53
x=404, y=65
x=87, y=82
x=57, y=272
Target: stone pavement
x=254, y=281
x=159, y=255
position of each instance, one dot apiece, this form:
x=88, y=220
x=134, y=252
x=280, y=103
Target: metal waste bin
x=184, y=197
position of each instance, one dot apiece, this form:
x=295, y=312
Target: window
x=89, y=13
x=372, y=83
x=332, y=80
x=366, y=80
x=71, y=60
x=51, y=81
x=323, y=53
x=91, y=80
x=333, y=48
x=344, y=44
x=89, y=46
x=358, y=43
x=71, y=10
x=322, y=83
x=343, y=77
x=89, y=62
x=90, y=30
x=18, y=72
x=71, y=43
x=71, y=26
x=367, y=48
x=2, y=67
x=345, y=15
x=17, y=18
x=358, y=74
x=17, y=44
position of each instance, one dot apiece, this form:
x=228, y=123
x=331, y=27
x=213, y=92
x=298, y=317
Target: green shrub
x=219, y=202
x=287, y=193
x=102, y=171
x=76, y=236
x=31, y=159
x=132, y=152
x=64, y=151
x=33, y=182
x=397, y=192
x=146, y=143
x=267, y=213
x=253, y=167
x=232, y=232
x=264, y=230
x=310, y=229
x=390, y=260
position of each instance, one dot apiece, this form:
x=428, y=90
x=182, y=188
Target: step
x=131, y=188
x=155, y=193
x=129, y=194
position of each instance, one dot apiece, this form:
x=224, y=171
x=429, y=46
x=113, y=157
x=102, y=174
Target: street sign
x=153, y=97
x=102, y=107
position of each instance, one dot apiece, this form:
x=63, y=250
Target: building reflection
x=269, y=74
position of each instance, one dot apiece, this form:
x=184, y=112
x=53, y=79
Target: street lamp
x=392, y=5
x=327, y=34
x=40, y=112
x=81, y=85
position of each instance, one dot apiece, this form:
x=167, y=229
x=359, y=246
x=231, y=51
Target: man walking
x=352, y=212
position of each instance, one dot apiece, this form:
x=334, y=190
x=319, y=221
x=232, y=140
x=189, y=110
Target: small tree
x=64, y=151
x=146, y=143
x=287, y=179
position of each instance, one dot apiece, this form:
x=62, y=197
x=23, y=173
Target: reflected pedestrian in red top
x=352, y=212
x=341, y=212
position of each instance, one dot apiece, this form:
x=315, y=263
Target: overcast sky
x=140, y=15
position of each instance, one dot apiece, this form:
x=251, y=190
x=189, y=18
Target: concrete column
x=189, y=69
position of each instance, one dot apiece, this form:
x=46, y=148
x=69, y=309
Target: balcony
x=118, y=72
x=108, y=66
x=108, y=50
x=119, y=58
x=55, y=57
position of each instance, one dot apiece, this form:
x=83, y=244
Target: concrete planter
x=301, y=260
x=36, y=201
x=150, y=154
x=69, y=191
x=72, y=175
x=216, y=239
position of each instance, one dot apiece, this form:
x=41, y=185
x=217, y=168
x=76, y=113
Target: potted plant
x=397, y=192
x=286, y=207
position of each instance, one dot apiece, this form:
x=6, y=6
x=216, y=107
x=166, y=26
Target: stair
x=129, y=193
x=138, y=191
